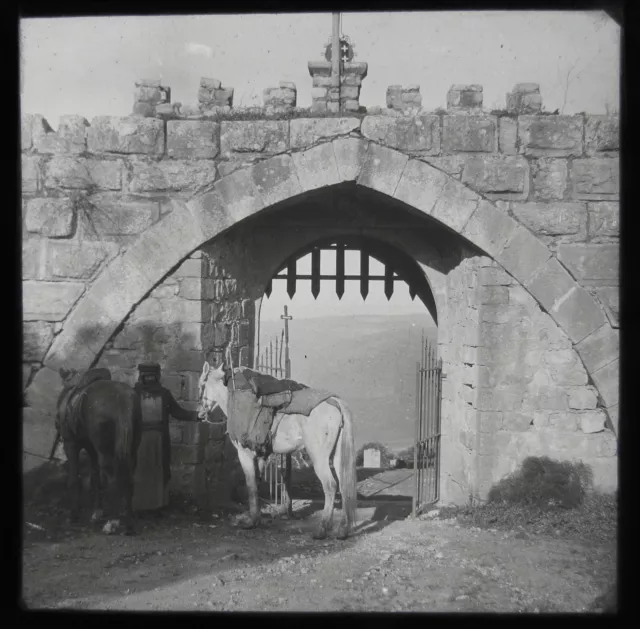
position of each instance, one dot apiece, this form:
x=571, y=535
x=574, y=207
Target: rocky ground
x=200, y=562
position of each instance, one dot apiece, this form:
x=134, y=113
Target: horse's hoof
x=342, y=534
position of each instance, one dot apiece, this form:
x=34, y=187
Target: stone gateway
x=152, y=238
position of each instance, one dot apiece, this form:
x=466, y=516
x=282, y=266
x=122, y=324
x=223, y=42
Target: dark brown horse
x=103, y=417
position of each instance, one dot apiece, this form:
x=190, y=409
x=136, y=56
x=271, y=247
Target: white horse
x=326, y=433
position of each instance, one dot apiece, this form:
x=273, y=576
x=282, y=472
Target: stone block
x=49, y=301
x=306, y=132
x=508, y=135
x=499, y=399
x=494, y=276
x=583, y=398
x=469, y=134
x=127, y=135
x=608, y=296
x=42, y=394
x=33, y=254
x=498, y=176
x=51, y=217
x=567, y=422
x=600, y=348
x=113, y=217
x=263, y=136
x=175, y=432
x=382, y=169
x=494, y=295
x=460, y=97
x=280, y=177
x=350, y=154
x=420, y=134
x=568, y=221
x=421, y=186
x=563, y=367
x=602, y=134
x=33, y=127
x=591, y=262
x=604, y=220
x=36, y=339
x=31, y=174
x=77, y=259
x=523, y=254
x=191, y=288
x=525, y=98
x=84, y=174
x=450, y=164
x=239, y=195
x=607, y=379
x=516, y=422
x=595, y=179
x=592, y=422
x=545, y=397
x=550, y=136
x=192, y=139
x=489, y=228
x=549, y=179
x=171, y=176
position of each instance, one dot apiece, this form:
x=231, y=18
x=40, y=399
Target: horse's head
x=213, y=390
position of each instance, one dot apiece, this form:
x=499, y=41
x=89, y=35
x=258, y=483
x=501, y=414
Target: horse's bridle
x=204, y=402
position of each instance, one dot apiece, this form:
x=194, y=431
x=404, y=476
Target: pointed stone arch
x=129, y=278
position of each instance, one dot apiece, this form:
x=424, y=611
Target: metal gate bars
x=426, y=454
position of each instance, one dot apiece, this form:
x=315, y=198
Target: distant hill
x=370, y=361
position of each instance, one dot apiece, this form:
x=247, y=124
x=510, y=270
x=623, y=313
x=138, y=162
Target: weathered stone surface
x=591, y=262
x=508, y=135
x=192, y=139
x=31, y=174
x=455, y=204
x=571, y=306
x=171, y=175
x=50, y=217
x=190, y=268
x=239, y=195
x=33, y=127
x=421, y=185
x=469, y=134
x=316, y=167
x=350, y=155
x=499, y=399
x=524, y=99
x=38, y=435
x=463, y=97
x=549, y=179
x=608, y=296
x=415, y=134
x=77, y=259
x=494, y=295
x=498, y=176
x=489, y=228
x=595, y=178
x=494, y=276
x=278, y=178
x=307, y=132
x=523, y=254
x=602, y=134
x=612, y=412
x=551, y=136
x=592, y=422
x=33, y=250
x=128, y=135
x=36, y=338
x=600, y=348
x=583, y=398
x=42, y=393
x=604, y=221
x=607, y=379
x=48, y=301
x=516, y=422
x=565, y=220
x=563, y=367
x=382, y=169
x=248, y=136
x=111, y=217
x=450, y=164
x=563, y=421
x=79, y=173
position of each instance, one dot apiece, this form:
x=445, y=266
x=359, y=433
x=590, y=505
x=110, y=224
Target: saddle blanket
x=305, y=400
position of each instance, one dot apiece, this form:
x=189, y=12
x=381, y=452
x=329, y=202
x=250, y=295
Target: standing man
x=153, y=468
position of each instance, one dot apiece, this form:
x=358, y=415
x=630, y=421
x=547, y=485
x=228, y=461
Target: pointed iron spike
x=268, y=289
x=339, y=270
x=315, y=273
x=364, y=274
x=291, y=279
x=388, y=281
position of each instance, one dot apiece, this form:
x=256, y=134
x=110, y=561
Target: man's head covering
x=148, y=369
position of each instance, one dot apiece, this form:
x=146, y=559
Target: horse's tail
x=125, y=450
x=348, y=476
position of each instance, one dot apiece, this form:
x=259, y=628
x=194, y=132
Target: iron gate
x=426, y=454
x=274, y=360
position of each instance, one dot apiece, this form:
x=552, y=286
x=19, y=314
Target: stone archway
x=130, y=276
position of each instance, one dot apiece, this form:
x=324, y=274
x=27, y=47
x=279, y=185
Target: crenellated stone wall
x=131, y=252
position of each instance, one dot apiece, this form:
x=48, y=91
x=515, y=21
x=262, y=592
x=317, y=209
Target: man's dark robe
x=154, y=454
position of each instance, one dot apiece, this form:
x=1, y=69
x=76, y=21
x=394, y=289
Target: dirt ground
x=201, y=562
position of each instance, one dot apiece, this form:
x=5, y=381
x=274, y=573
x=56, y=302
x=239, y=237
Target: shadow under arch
x=389, y=255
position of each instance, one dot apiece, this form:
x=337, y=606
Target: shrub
x=544, y=483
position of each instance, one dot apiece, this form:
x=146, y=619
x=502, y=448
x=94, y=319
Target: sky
x=89, y=66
